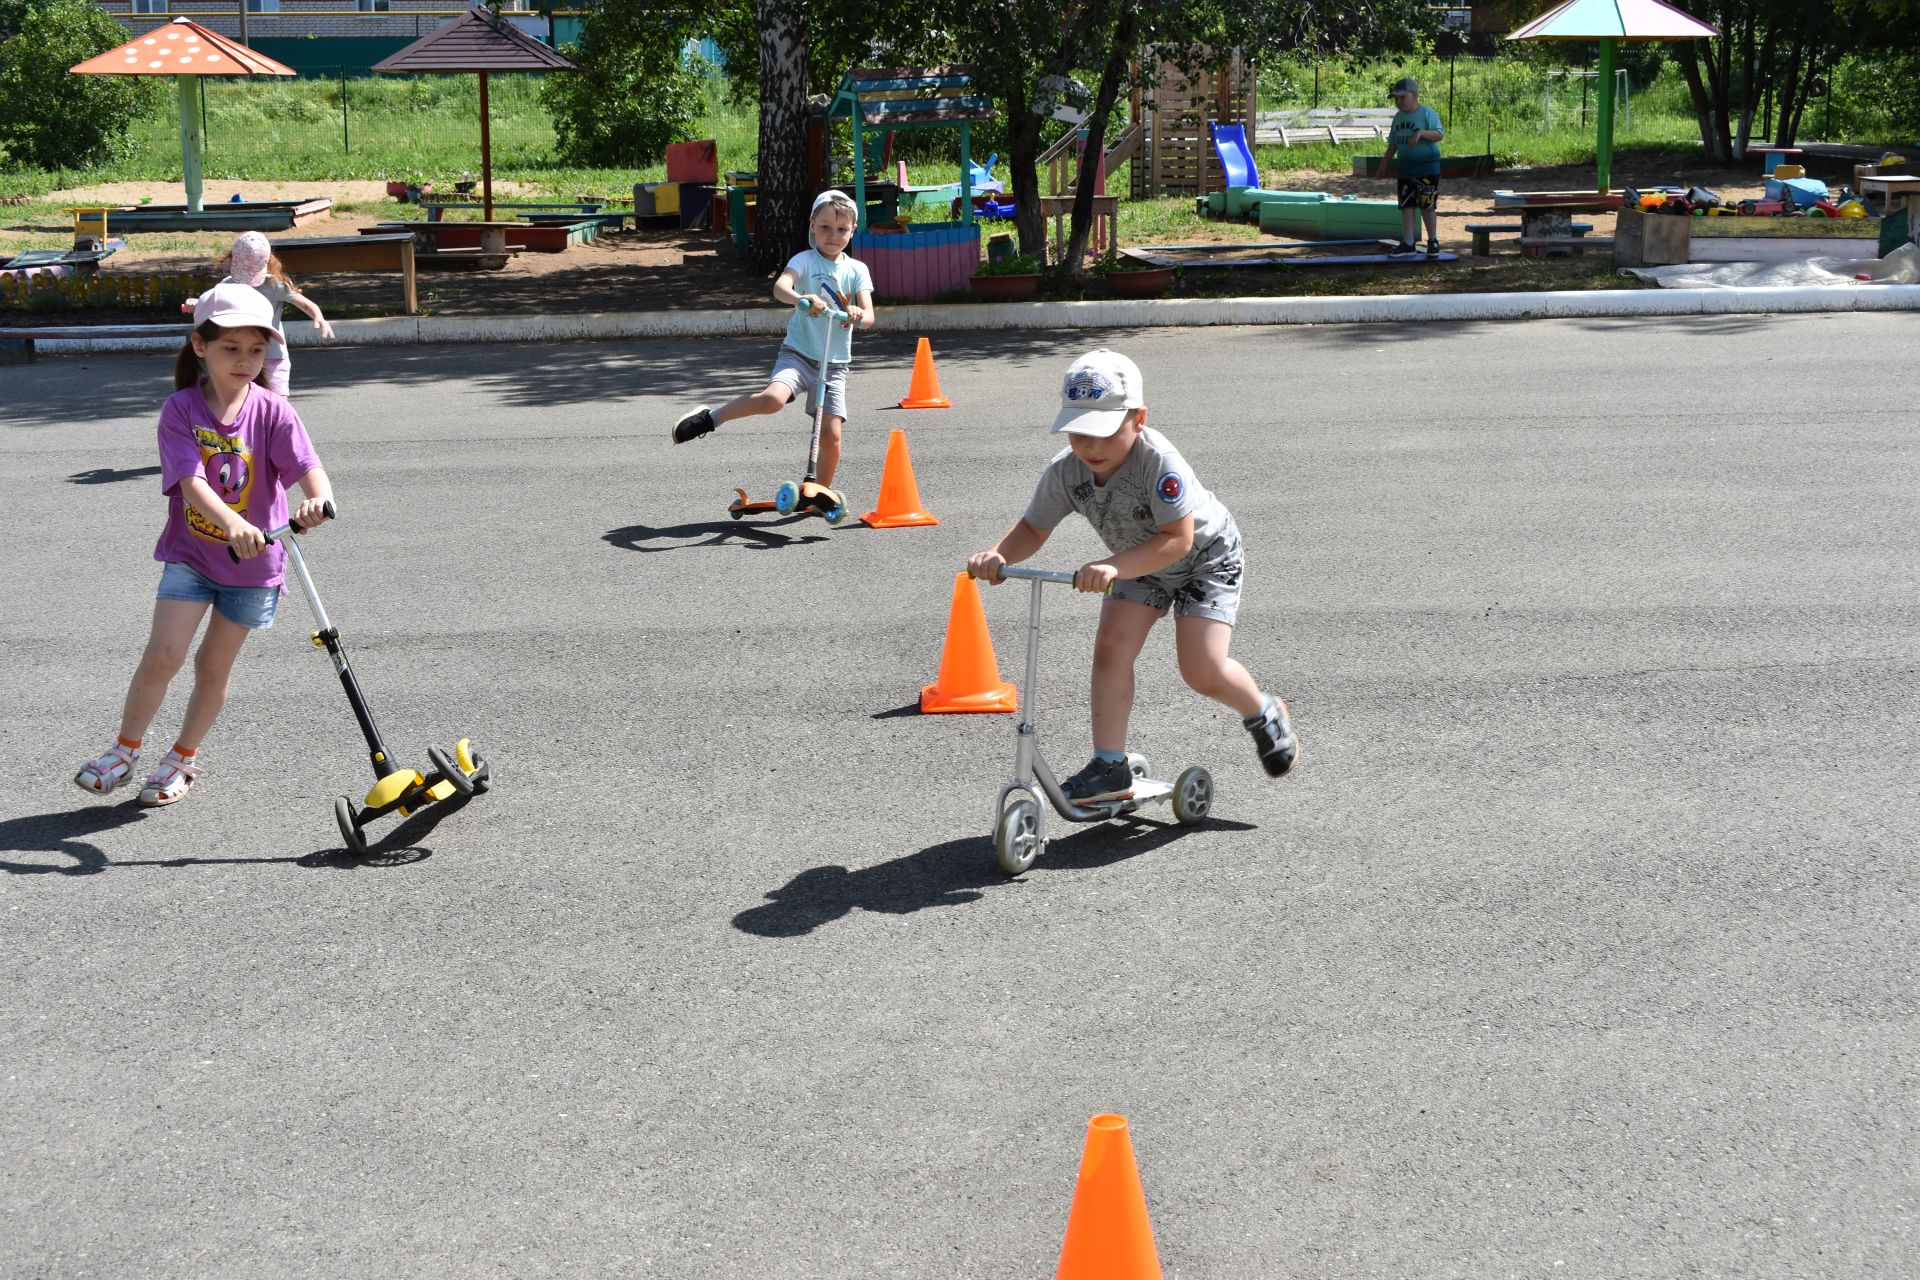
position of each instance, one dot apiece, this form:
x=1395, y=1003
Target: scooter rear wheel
x=451, y=771
x=1192, y=796
x=350, y=831
x=786, y=498
x=1016, y=837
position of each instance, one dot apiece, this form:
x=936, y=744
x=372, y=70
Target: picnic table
x=383, y=251
x=1546, y=220
x=1898, y=190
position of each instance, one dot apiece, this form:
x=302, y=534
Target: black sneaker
x=694, y=425
x=1433, y=248
x=1404, y=249
x=1101, y=780
x=1273, y=738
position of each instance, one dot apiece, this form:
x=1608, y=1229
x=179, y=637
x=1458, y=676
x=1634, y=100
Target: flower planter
x=1150, y=283
x=1004, y=288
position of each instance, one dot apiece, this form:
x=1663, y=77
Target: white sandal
x=108, y=771
x=170, y=782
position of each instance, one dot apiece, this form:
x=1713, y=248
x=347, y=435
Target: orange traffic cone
x=969, y=678
x=923, y=392
x=1108, y=1235
x=899, y=503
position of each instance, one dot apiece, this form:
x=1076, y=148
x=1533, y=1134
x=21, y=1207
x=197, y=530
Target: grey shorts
x=1210, y=591
x=798, y=374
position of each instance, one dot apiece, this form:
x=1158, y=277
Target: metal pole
x=1604, y=156
x=486, y=155
x=1316, y=86
x=244, y=5
x=1450, y=63
x=346, y=139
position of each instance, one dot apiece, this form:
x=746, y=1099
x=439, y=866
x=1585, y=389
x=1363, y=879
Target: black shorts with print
x=1420, y=193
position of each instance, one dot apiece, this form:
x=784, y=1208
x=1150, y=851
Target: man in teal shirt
x=1415, y=135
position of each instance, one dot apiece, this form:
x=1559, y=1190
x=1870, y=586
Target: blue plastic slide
x=1236, y=157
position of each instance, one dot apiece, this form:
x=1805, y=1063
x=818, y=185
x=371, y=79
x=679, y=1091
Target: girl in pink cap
x=229, y=450
x=251, y=262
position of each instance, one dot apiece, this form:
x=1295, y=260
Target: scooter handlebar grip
x=289, y=527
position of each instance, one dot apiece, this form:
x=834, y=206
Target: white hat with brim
x=1099, y=389
x=236, y=306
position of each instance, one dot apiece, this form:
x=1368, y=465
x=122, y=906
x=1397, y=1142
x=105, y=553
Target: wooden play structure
x=1175, y=154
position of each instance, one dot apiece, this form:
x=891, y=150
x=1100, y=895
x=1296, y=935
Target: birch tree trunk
x=782, y=199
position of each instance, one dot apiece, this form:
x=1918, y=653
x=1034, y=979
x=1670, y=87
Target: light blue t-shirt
x=1415, y=159
x=823, y=277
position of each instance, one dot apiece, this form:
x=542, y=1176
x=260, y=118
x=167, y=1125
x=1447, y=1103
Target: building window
x=375, y=6
x=149, y=6
x=263, y=6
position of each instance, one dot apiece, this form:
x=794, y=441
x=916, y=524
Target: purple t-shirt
x=249, y=462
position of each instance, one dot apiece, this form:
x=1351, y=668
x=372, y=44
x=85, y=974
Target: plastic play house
x=918, y=260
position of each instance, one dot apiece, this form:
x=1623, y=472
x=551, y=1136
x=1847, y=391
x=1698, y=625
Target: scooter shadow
x=70, y=835
x=110, y=475
x=716, y=533
x=949, y=874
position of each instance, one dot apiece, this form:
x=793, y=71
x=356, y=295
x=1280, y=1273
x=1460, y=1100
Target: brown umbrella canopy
x=475, y=43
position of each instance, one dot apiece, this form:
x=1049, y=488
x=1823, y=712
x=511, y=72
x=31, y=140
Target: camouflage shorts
x=1210, y=591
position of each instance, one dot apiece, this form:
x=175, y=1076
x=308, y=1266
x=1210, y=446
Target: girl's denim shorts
x=250, y=607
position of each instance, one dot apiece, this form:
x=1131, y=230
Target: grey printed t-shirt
x=1153, y=487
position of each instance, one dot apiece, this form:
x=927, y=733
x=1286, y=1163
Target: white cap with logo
x=1098, y=390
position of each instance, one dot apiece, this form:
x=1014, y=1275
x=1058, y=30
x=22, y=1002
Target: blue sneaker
x=1100, y=781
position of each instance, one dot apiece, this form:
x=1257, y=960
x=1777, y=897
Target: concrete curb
x=1114, y=314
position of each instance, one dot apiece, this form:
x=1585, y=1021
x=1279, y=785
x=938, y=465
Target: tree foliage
x=54, y=120
x=631, y=95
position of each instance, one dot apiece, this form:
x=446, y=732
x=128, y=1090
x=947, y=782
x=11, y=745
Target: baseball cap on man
x=1405, y=84
x=251, y=253
x=234, y=306
x=1097, y=392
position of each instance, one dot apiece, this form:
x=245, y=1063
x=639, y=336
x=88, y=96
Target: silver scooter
x=1019, y=834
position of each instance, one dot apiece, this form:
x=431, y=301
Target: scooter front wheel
x=350, y=831
x=1016, y=837
x=473, y=764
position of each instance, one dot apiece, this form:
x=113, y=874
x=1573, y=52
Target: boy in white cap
x=825, y=278
x=251, y=262
x=1174, y=547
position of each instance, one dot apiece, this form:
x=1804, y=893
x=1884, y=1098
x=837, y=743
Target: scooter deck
x=742, y=505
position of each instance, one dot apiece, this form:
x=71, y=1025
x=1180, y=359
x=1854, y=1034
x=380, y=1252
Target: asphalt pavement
x=1581, y=943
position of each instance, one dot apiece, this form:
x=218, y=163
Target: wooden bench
x=435, y=207
x=390, y=251
x=17, y=345
x=1483, y=232
x=1539, y=246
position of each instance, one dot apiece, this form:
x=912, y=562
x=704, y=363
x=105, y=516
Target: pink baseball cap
x=249, y=262
x=235, y=306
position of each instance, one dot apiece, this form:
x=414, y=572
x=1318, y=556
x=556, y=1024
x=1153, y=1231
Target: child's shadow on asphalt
x=717, y=533
x=70, y=836
x=947, y=875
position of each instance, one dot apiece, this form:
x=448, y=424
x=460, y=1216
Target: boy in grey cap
x=1415, y=134
x=1174, y=547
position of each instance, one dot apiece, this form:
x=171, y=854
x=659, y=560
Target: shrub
x=53, y=120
